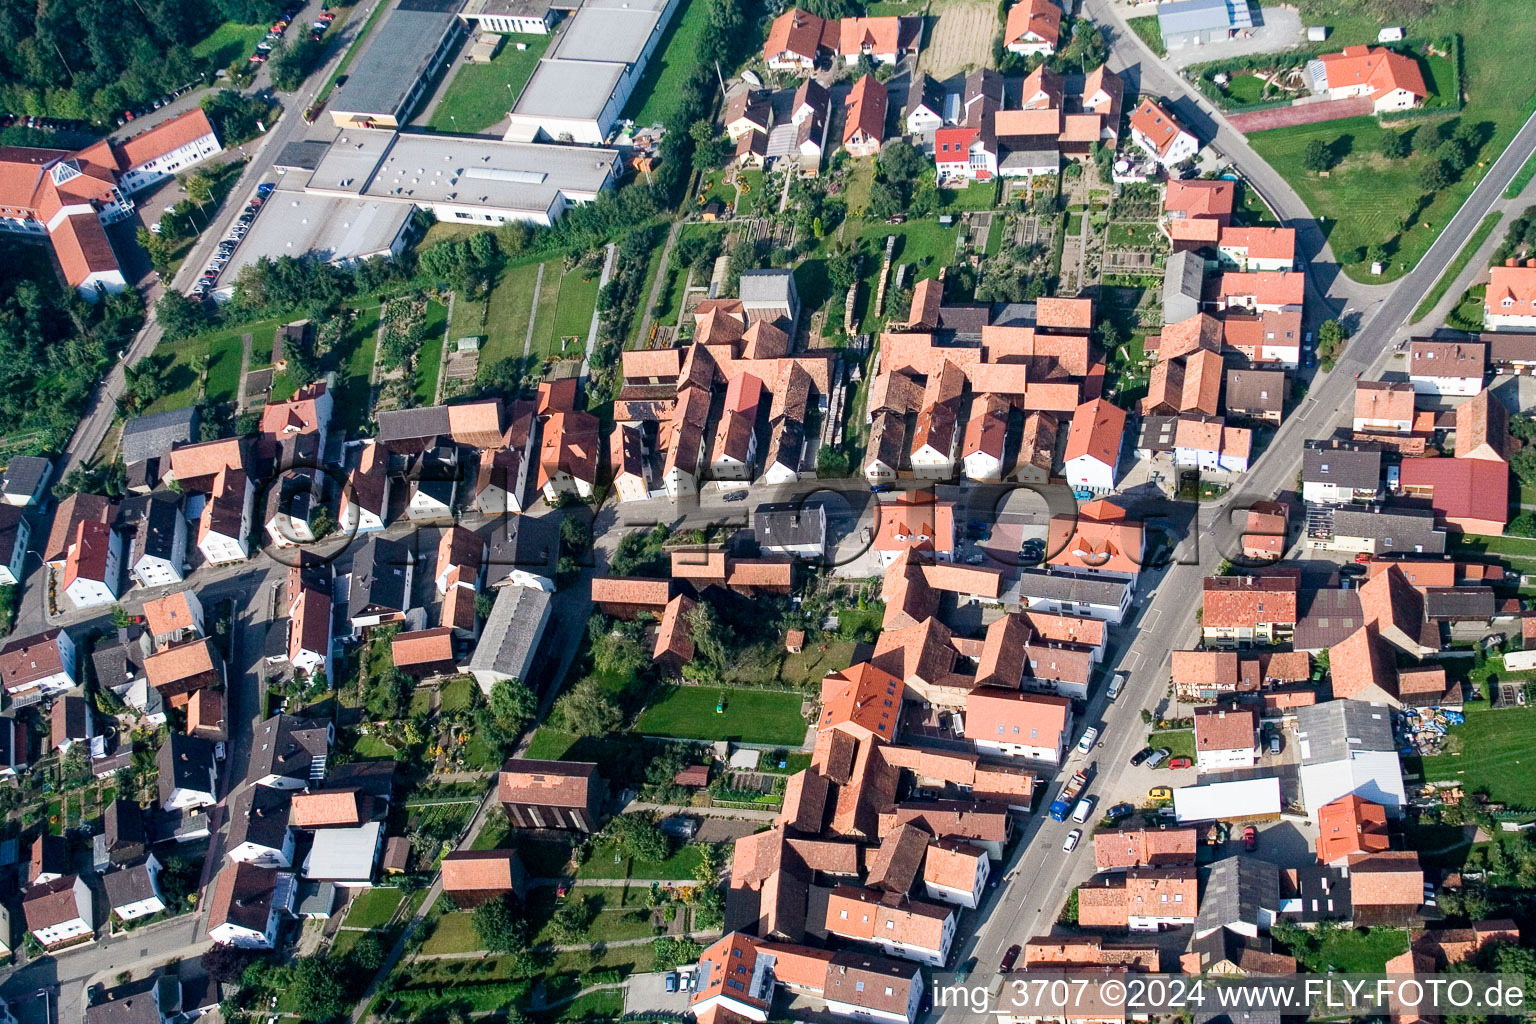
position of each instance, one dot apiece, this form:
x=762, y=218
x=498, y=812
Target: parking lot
x=226, y=248
x=647, y=993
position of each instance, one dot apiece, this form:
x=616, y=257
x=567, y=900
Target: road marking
x=1153, y=614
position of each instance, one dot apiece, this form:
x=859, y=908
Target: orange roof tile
x=1350, y=825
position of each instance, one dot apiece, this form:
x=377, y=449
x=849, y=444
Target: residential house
x=1347, y=748
x=1100, y=540
x=70, y=722
x=1161, y=847
x=936, y=435
x=1349, y=826
x=1383, y=407
x=259, y=831
x=15, y=534
x=568, y=442
x=1384, y=531
x=14, y=737
x=1482, y=428
x=1061, y=593
x=35, y=667
x=884, y=40
x=1333, y=473
x=289, y=752
x=1509, y=304
x=134, y=891
x=124, y=837
x=147, y=439
x=1267, y=531
x=1256, y=395
x=157, y=555
x=511, y=636
x=309, y=626
x=683, y=468
x=791, y=529
x=900, y=926
x=59, y=912
x=734, y=451
x=175, y=672
x=551, y=794
x=1258, y=609
x=925, y=107
x=864, y=119
x=627, y=465
x=26, y=480
x=380, y=587
x=247, y=904
x=1196, y=211
x=796, y=38
x=365, y=499
x=1033, y=27
x=916, y=523
x=1140, y=899
x=1015, y=724
x=1390, y=80
x=1160, y=135
x=224, y=529
x=1226, y=739
x=1472, y=494
x=955, y=872
x=1446, y=367
x=188, y=773
x=1251, y=249
x=1183, y=288
x=174, y=617
x=94, y=567
x=985, y=436
x=1271, y=338
x=433, y=476
x=1093, y=445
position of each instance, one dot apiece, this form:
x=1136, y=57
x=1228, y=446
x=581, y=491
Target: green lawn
x=1457, y=265
x=1150, y=32
x=371, y=748
x=430, y=360
x=1351, y=950
x=750, y=716
x=505, y=327
x=1468, y=314
x=1245, y=89
x=813, y=663
x=230, y=42
x=1522, y=178
x=607, y=862
x=374, y=907
x=926, y=243
x=978, y=195
x=621, y=914
x=1366, y=196
x=1180, y=742
x=660, y=89
x=604, y=1005
x=481, y=94
x=222, y=350
x=573, y=313
x=457, y=695
x=454, y=933
x=1485, y=754
x=354, y=356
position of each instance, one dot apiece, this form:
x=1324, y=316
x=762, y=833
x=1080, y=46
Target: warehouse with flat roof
x=397, y=66
x=326, y=228
x=579, y=90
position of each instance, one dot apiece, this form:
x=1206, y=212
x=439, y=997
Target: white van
x=1116, y=684
x=1089, y=739
x=1082, y=810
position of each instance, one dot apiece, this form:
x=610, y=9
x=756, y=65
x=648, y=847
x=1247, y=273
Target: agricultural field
x=960, y=38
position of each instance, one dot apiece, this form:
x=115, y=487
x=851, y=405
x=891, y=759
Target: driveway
x=1274, y=28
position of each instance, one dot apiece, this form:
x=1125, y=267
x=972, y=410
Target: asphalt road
x=97, y=419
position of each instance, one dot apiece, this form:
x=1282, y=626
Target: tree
x=618, y=652
x=901, y=163
x=159, y=250
x=1522, y=427
x=1317, y=157
x=291, y=64
x=1396, y=145
x=225, y=963
x=179, y=316
x=1376, y=253
x=512, y=704
x=1435, y=176
x=636, y=835
x=709, y=148
x=711, y=644
x=1523, y=464
x=842, y=271
x=671, y=953
x=321, y=523
x=587, y=711
x=885, y=200
x=575, y=916
x=575, y=537
x=317, y=985
x=1330, y=342
x=367, y=954
x=199, y=187
x=501, y=926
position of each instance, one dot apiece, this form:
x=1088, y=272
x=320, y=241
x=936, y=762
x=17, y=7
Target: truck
x=1068, y=795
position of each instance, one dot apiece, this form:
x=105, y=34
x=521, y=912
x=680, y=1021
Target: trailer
x=1068, y=795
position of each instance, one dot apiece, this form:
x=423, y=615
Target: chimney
x=1511, y=262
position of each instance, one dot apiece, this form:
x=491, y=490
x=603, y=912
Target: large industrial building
x=402, y=58
x=528, y=17
x=578, y=92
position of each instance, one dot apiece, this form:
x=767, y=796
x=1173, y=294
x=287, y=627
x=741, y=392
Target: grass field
x=506, y=315
x=457, y=695
x=1485, y=754
x=430, y=360
x=978, y=195
x=1522, y=178
x=222, y=350
x=564, y=311
x=1367, y=197
x=660, y=87
x=1150, y=32
x=1352, y=950
x=1245, y=89
x=374, y=907
x=750, y=716
x=607, y=862
x=355, y=358
x=1457, y=265
x=230, y=42
x=1180, y=742
x=481, y=94
x=455, y=933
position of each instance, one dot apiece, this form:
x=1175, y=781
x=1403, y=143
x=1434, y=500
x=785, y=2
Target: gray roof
x=1158, y=433
x=1318, y=893
x=314, y=899
x=1255, y=389
x=123, y=825
x=375, y=779
x=926, y=93
x=1235, y=891
x=413, y=424
x=505, y=8
x=185, y=762
x=379, y=577
x=610, y=30
x=128, y=885
x=789, y=524
x=1061, y=586
x=11, y=518
x=397, y=56
x=512, y=631
x=1203, y=15
x=156, y=534
x=303, y=155
x=1330, y=615
x=1344, y=466
x=149, y=437
x=259, y=816
x=1185, y=276
x=25, y=473
x=569, y=89
x=1459, y=603
x=1395, y=529
x=128, y=1004
x=767, y=286
x=1335, y=730
x=285, y=745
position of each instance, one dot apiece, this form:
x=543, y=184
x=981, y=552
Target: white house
x=1062, y=593
x=1225, y=739
x=36, y=667
x=26, y=479
x=1390, y=80
x=1093, y=445
x=502, y=480
x=912, y=930
x=134, y=891
x=309, y=629
x=225, y=527
x=15, y=535
x=1033, y=27
x=1159, y=134
x=433, y=486
x=1447, y=367
x=246, y=903
x=1014, y=724
x=188, y=773
x=1346, y=747
x=365, y=499
x=94, y=565
x=1510, y=301
x=955, y=872
x=157, y=555
x=190, y=139
x=59, y=912
x=259, y=833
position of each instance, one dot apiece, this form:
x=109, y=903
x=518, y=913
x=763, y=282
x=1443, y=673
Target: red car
x=1363, y=557
x=1180, y=762
x=1009, y=958
x=1250, y=839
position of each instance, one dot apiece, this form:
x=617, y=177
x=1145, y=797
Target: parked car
x=1119, y=812
x=1116, y=684
x=1180, y=762
x=1083, y=809
x=1363, y=557
x=671, y=981
x=268, y=188
x=1089, y=739
x=1159, y=793
x=1159, y=755
x=1274, y=742
x=1009, y=959
x=735, y=496
x=1140, y=757
x=1072, y=838
x=1250, y=839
